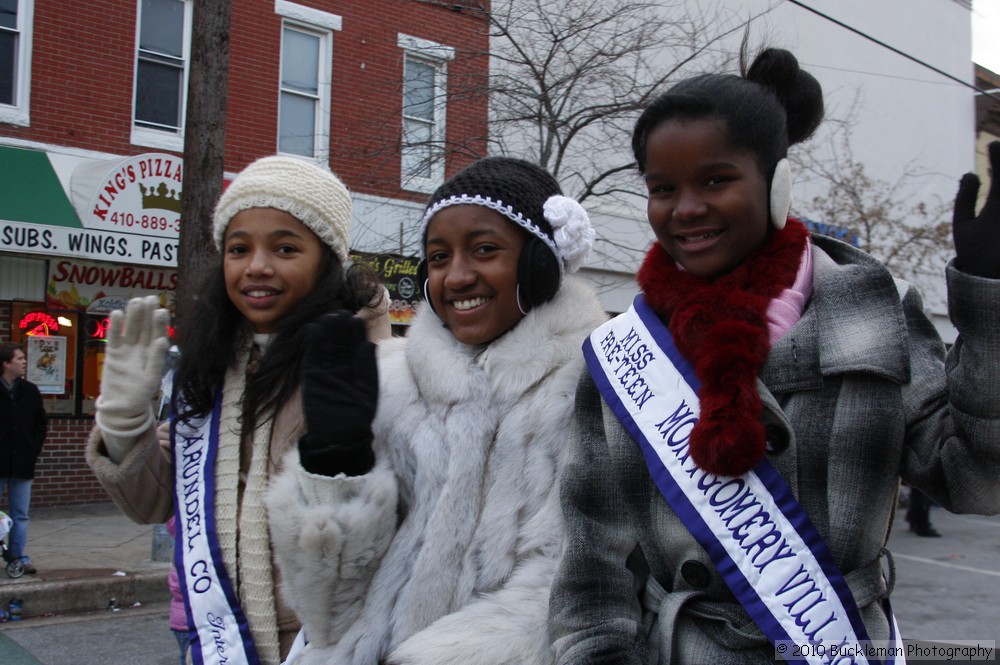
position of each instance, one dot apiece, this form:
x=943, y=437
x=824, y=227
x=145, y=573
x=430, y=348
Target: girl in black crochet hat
x=551, y=235
x=439, y=549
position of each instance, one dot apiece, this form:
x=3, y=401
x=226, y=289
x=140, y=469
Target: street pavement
x=131, y=636
x=87, y=555
x=947, y=589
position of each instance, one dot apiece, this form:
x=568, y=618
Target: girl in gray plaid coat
x=809, y=372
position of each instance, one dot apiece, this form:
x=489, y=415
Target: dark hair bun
x=797, y=90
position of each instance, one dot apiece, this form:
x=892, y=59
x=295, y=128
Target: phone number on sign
x=148, y=222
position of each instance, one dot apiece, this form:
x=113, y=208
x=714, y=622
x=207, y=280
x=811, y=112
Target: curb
x=43, y=598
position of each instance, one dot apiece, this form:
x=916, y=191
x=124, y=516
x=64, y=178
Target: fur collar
x=720, y=326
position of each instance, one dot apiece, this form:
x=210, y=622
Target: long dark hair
x=210, y=338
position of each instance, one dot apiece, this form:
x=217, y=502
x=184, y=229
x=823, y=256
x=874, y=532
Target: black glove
x=339, y=395
x=977, y=239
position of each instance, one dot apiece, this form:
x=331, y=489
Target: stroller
x=15, y=567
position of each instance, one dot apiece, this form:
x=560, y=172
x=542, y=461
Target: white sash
x=759, y=537
x=219, y=629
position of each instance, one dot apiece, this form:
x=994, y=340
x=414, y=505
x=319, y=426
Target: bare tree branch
x=912, y=239
x=568, y=79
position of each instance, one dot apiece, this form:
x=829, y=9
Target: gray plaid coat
x=858, y=394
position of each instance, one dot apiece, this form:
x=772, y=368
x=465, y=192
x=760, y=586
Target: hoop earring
x=518, y=298
x=427, y=296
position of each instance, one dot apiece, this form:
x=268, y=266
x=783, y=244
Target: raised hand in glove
x=339, y=396
x=977, y=239
x=133, y=361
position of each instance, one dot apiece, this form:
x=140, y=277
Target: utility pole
x=204, y=145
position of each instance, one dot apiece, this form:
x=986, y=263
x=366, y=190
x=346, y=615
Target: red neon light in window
x=38, y=323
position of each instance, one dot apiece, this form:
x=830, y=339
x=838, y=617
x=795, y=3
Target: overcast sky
x=986, y=33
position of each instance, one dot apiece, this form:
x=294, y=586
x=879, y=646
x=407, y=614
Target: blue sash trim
x=683, y=506
x=207, y=522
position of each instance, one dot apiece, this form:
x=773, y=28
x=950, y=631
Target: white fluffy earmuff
x=781, y=193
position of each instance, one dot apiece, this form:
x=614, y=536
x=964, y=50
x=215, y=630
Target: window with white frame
x=424, y=106
x=15, y=60
x=163, y=47
x=306, y=71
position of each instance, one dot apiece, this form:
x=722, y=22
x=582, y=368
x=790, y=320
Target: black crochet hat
x=527, y=195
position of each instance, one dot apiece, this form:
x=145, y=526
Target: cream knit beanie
x=313, y=195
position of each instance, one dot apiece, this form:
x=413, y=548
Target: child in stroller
x=15, y=567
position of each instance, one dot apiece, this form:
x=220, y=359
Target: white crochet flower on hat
x=572, y=230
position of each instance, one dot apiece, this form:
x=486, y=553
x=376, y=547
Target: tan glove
x=133, y=362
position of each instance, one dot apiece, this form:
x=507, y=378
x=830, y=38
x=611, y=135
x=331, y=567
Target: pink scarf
x=786, y=308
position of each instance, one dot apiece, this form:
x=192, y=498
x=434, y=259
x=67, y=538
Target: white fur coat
x=443, y=553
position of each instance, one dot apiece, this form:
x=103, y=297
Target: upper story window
x=306, y=72
x=15, y=60
x=163, y=47
x=424, y=88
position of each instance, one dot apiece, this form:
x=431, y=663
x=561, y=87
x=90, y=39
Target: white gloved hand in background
x=133, y=361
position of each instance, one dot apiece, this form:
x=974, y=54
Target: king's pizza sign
x=120, y=210
x=140, y=195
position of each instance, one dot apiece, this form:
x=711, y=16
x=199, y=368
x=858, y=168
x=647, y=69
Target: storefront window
x=50, y=342
x=64, y=337
x=95, y=330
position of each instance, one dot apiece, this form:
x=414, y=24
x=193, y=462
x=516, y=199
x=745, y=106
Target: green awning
x=30, y=190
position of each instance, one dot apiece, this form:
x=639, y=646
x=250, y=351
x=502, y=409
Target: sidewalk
x=87, y=555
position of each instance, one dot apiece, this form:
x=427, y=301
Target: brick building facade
x=91, y=94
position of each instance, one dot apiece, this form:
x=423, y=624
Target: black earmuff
x=537, y=273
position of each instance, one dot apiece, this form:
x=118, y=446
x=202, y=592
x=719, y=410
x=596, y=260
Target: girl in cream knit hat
x=282, y=228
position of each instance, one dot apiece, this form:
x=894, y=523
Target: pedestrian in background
x=741, y=437
x=22, y=433
x=918, y=514
x=282, y=229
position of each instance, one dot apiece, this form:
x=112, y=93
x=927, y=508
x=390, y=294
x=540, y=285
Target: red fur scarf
x=720, y=326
